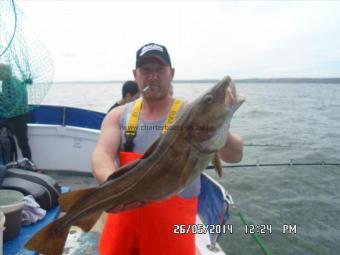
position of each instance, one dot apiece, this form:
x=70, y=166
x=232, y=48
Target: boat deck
x=79, y=242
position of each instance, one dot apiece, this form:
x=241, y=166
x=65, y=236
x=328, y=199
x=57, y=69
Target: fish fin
x=128, y=206
x=67, y=200
x=50, y=240
x=88, y=222
x=218, y=166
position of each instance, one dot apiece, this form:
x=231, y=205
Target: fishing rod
x=291, y=163
x=266, y=145
x=290, y=145
x=246, y=222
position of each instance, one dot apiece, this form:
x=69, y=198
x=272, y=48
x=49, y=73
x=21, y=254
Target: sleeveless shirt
x=147, y=133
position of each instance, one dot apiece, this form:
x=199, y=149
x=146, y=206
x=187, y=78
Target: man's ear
x=134, y=71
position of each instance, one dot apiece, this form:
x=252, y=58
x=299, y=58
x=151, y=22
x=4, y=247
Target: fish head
x=204, y=122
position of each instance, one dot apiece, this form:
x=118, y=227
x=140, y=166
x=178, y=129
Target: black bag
x=8, y=147
x=42, y=187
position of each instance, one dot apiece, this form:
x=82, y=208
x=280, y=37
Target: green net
x=26, y=67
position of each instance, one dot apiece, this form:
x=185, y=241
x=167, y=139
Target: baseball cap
x=153, y=50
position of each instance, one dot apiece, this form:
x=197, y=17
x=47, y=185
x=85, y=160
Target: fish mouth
x=220, y=90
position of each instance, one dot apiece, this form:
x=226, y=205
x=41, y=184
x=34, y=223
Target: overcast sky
x=97, y=40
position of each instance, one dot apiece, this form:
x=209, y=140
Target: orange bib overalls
x=149, y=229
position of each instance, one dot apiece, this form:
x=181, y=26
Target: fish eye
x=209, y=99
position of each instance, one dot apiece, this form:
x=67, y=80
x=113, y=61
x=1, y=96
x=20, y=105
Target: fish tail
x=50, y=240
x=70, y=199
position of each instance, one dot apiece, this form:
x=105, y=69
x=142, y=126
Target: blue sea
x=280, y=123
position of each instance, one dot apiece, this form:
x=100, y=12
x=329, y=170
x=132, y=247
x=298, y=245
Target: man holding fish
x=157, y=182
x=126, y=133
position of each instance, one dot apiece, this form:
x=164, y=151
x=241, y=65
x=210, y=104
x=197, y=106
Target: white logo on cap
x=150, y=47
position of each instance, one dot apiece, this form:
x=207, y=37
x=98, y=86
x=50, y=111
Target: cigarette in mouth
x=146, y=88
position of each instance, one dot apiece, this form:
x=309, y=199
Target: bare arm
x=107, y=147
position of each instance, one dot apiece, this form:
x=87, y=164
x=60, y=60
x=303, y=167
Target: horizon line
x=207, y=80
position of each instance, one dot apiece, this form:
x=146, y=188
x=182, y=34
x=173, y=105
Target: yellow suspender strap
x=172, y=114
x=133, y=120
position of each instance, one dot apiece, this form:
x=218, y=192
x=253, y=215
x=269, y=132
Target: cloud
x=206, y=39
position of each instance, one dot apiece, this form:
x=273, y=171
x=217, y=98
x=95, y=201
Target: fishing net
x=26, y=67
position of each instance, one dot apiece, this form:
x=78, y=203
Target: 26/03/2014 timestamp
x=203, y=229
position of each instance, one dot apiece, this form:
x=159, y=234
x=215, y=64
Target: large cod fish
x=169, y=165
